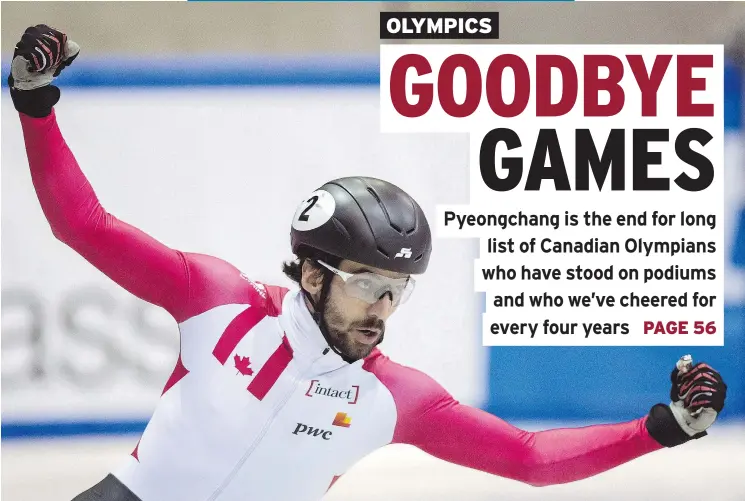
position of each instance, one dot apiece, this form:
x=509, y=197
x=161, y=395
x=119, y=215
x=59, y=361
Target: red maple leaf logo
x=243, y=364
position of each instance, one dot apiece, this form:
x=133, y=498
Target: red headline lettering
x=487, y=83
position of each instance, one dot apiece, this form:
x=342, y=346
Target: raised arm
x=133, y=259
x=139, y=263
x=185, y=284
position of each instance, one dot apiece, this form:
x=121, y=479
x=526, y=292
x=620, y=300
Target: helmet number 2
x=304, y=215
x=314, y=211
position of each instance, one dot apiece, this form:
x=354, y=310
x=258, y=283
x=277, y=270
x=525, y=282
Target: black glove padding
x=44, y=50
x=701, y=386
x=37, y=103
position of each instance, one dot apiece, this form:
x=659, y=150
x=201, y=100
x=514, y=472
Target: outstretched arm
x=429, y=418
x=470, y=437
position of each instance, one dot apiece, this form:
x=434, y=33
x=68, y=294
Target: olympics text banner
x=596, y=184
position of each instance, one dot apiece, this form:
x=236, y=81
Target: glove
x=697, y=396
x=41, y=55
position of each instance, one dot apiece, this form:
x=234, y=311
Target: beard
x=340, y=332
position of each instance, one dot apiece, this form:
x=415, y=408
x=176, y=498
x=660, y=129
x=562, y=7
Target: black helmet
x=365, y=220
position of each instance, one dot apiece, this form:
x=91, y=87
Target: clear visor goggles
x=370, y=287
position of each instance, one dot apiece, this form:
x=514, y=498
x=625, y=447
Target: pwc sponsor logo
x=312, y=431
x=317, y=389
x=341, y=419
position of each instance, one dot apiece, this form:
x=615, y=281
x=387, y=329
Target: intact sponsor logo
x=312, y=431
x=342, y=419
x=317, y=389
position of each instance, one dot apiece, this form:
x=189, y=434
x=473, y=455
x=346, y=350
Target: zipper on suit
x=278, y=407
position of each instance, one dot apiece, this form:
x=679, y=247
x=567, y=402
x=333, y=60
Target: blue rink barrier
x=50, y=429
x=216, y=71
x=523, y=383
x=606, y=384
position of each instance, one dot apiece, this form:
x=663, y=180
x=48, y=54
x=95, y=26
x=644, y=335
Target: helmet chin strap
x=319, y=308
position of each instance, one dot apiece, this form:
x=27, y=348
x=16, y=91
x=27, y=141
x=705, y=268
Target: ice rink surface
x=711, y=469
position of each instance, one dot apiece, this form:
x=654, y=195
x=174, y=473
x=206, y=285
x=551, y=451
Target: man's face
x=353, y=324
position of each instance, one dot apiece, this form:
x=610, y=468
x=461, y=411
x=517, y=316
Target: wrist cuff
x=663, y=427
x=37, y=103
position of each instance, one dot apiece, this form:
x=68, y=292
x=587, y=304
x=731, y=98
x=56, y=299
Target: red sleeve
x=432, y=420
x=183, y=284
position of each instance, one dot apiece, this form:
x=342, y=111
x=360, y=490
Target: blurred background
x=204, y=124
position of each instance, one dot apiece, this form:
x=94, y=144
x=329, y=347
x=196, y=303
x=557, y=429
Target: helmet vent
x=372, y=193
x=418, y=257
x=341, y=228
x=382, y=251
